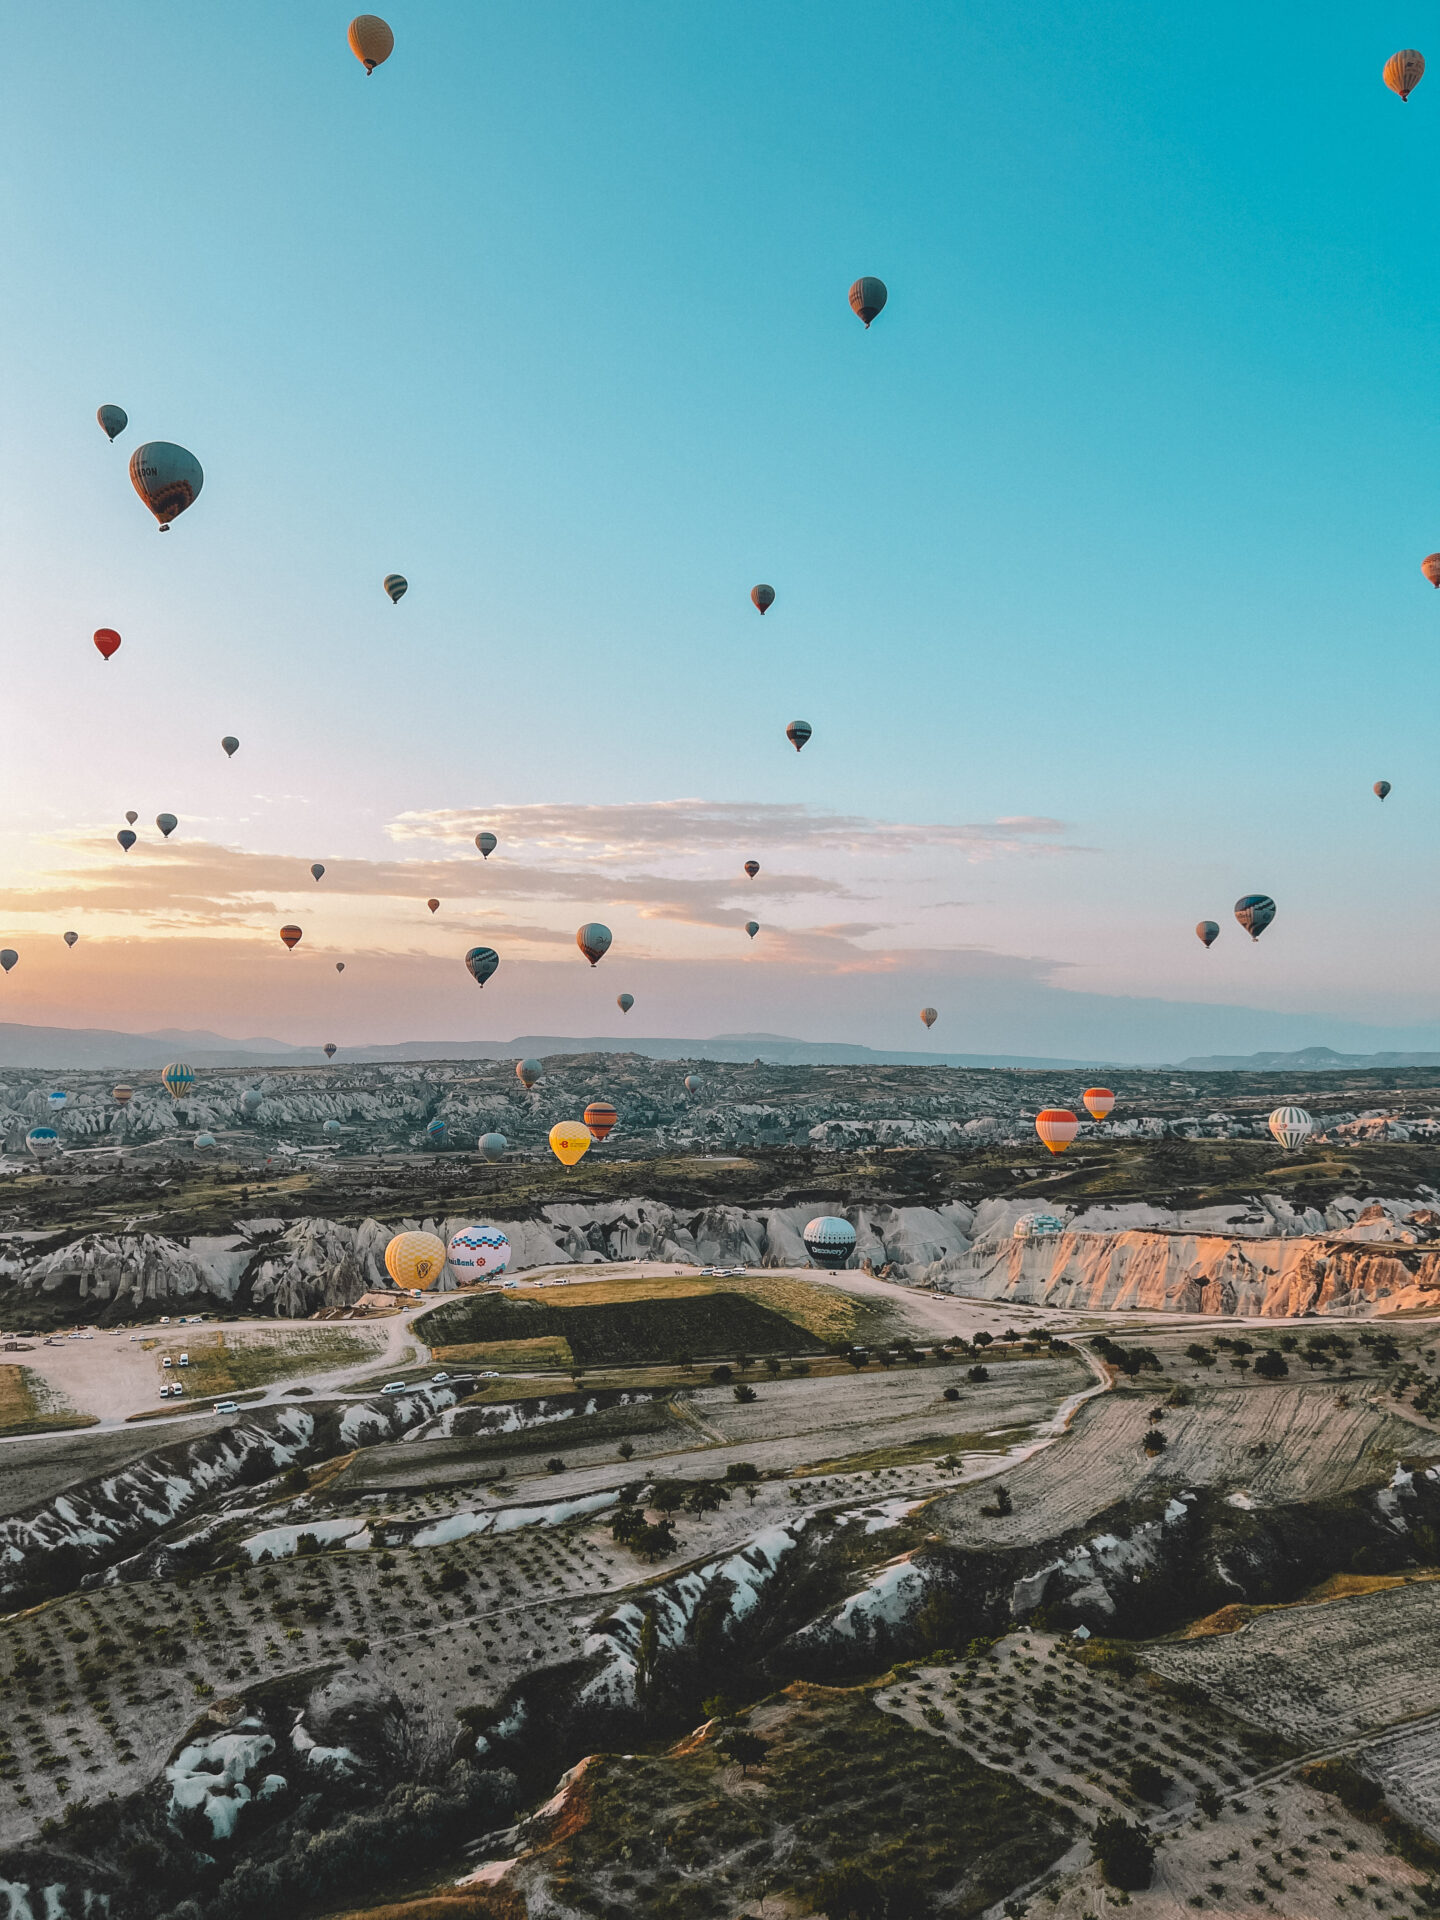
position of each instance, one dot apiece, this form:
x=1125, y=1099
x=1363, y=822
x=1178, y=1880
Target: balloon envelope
x=317, y=871
x=600, y=1118
x=929, y=1016
x=593, y=941
x=1255, y=911
x=570, y=1142
x=292, y=937
x=867, y=297
x=1430, y=567
x=479, y=1252
x=107, y=642
x=493, y=1146
x=8, y=957
x=752, y=927
x=1057, y=1127
x=203, y=1141
x=829, y=1240
x=1291, y=1126
x=798, y=732
x=329, y=1049
x=624, y=1001
x=435, y=1128
x=252, y=1100
x=487, y=844
x=42, y=1142
x=167, y=478
x=482, y=962
x=167, y=824
x=113, y=419
x=332, y=1129
x=231, y=746
x=433, y=905
x=1403, y=71
x=527, y=1072
x=752, y=867
x=415, y=1260
x=126, y=838
x=58, y=1098
x=1381, y=789
x=1208, y=931
x=69, y=938
x=131, y=818
x=763, y=597
x=693, y=1083
x=339, y=966
x=371, y=40
x=1098, y=1101
x=123, y=1094
x=177, y=1079
x=397, y=586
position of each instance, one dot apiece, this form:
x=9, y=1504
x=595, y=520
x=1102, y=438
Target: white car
x=438, y=1379
x=488, y=1374
x=184, y=1359
x=226, y=1406
x=393, y=1386
x=167, y=1361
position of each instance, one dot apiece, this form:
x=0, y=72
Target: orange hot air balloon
x=1404, y=71
x=1057, y=1127
x=291, y=936
x=600, y=1118
x=1098, y=1101
x=371, y=40
x=433, y=905
x=570, y=1142
x=107, y=641
x=1430, y=567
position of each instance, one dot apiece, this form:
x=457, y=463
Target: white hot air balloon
x=1292, y=1127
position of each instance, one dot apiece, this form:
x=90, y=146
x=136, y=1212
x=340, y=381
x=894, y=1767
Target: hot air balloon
x=415, y=1260
x=867, y=297
x=113, y=419
x=433, y=905
x=8, y=957
x=593, y=940
x=292, y=937
x=332, y=1129
x=1098, y=1101
x=829, y=1241
x=397, y=586
x=126, y=838
x=624, y=1001
x=527, y=1072
x=1430, y=567
x=1255, y=911
x=763, y=597
x=1057, y=1127
x=493, y=1146
x=1403, y=71
x=1381, y=789
x=487, y=844
x=371, y=40
x=167, y=824
x=479, y=1252
x=131, y=818
x=231, y=746
x=436, y=1129
x=167, y=478
x=693, y=1083
x=752, y=867
x=929, y=1016
x=1291, y=1126
x=204, y=1141
x=752, y=927
x=57, y=1099
x=177, y=1079
x=1208, y=931
x=600, y=1118
x=252, y=1100
x=107, y=642
x=42, y=1142
x=798, y=732
x=69, y=938
x=482, y=962
x=570, y=1142
x=329, y=1049
x=122, y=1094
x=317, y=871
x=339, y=966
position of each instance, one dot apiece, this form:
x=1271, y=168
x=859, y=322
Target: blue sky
x=1113, y=520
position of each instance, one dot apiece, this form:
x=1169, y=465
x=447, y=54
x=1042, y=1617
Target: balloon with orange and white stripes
x=1057, y=1127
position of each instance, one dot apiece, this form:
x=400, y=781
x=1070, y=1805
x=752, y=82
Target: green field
x=29, y=1404
x=229, y=1363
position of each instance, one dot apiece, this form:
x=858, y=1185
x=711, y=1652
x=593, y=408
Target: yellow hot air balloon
x=570, y=1142
x=371, y=40
x=1404, y=71
x=415, y=1260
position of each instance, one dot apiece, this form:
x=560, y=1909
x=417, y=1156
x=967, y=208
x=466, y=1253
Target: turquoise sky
x=1113, y=520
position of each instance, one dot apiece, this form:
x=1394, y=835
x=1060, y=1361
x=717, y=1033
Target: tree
x=626, y=1449
x=1147, y=1782
x=705, y=1496
x=745, y=1394
x=772, y=1366
x=1001, y=1505
x=743, y=1362
x=977, y=1374
x=555, y=1464
x=653, y=1543
x=1126, y=1854
x=668, y=1496
x=1209, y=1802
x=1202, y=1356
x=745, y=1748
x=853, y=1891
x=1271, y=1366
x=856, y=1357
x=1154, y=1442
x=951, y=1393
x=721, y=1376
x=983, y=1339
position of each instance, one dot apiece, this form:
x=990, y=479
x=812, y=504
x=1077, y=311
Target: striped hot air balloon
x=415, y=1260
x=929, y=1016
x=1404, y=71
x=764, y=597
x=177, y=1079
x=600, y=1118
x=829, y=1241
x=167, y=478
x=1291, y=1126
x=867, y=296
x=397, y=586
x=1057, y=1127
x=292, y=936
x=1098, y=1101
x=1255, y=911
x=481, y=962
x=798, y=732
x=479, y=1252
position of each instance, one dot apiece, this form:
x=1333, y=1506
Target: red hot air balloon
x=433, y=905
x=291, y=936
x=1098, y=1101
x=1057, y=1127
x=764, y=598
x=600, y=1118
x=752, y=867
x=1430, y=567
x=107, y=641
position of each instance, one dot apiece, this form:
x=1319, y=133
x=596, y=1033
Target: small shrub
x=1125, y=1853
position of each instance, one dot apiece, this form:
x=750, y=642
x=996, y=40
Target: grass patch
x=911, y=1454
x=29, y=1404
x=179, y=1409
x=229, y=1363
x=510, y=1356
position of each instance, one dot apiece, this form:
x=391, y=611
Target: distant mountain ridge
x=1306, y=1060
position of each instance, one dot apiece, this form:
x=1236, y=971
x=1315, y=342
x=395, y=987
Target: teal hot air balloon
x=624, y=1001
x=397, y=586
x=167, y=478
x=487, y=844
x=1207, y=931
x=167, y=824
x=527, y=1072
x=317, y=872
x=251, y=1101
x=113, y=419
x=126, y=838
x=693, y=1083
x=1255, y=911
x=482, y=962
x=436, y=1129
x=1381, y=789
x=798, y=732
x=764, y=598
x=752, y=927
x=493, y=1146
x=8, y=957
x=331, y=1129
x=867, y=297
x=177, y=1079
x=593, y=940
x=231, y=746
